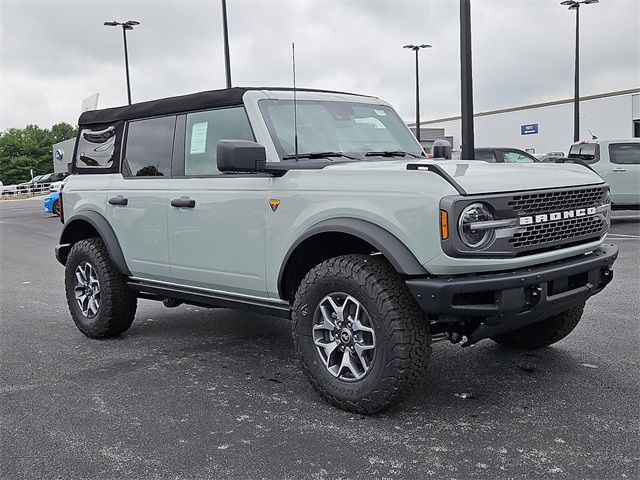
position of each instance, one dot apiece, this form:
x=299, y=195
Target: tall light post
x=128, y=25
x=466, y=82
x=225, y=31
x=416, y=48
x=575, y=5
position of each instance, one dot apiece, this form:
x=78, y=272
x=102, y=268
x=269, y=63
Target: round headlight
x=474, y=213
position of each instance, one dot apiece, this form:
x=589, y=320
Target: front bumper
x=510, y=300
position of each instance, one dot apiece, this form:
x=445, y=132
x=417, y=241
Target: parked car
x=503, y=155
x=56, y=186
x=373, y=250
x=8, y=189
x=51, y=203
x=618, y=162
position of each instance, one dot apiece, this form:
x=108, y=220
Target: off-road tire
x=56, y=208
x=117, y=302
x=544, y=333
x=403, y=350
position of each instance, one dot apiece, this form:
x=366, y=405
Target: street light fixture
x=575, y=5
x=128, y=25
x=416, y=48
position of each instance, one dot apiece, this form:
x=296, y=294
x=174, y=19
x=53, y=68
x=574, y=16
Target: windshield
x=333, y=126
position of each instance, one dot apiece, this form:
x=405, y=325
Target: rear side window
x=587, y=152
x=149, y=147
x=516, y=157
x=486, y=156
x=96, y=148
x=204, y=130
x=625, y=153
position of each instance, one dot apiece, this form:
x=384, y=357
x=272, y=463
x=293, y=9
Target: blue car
x=52, y=203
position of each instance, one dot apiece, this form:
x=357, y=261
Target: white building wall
x=608, y=117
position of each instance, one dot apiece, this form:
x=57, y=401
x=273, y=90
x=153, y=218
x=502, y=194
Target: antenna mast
x=295, y=102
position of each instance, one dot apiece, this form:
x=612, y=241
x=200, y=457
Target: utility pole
x=125, y=26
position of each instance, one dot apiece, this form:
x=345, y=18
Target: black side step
x=209, y=299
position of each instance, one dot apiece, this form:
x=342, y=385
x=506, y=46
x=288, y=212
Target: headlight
x=475, y=237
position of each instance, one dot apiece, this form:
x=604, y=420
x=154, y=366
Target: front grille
x=557, y=232
x=547, y=202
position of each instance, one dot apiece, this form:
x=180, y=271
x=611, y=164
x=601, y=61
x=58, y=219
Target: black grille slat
x=557, y=232
x=548, y=202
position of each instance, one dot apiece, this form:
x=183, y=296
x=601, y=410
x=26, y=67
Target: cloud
x=54, y=54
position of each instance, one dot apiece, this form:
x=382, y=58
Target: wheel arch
x=341, y=236
x=86, y=225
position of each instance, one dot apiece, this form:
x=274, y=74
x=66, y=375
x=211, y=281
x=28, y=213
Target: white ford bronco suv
x=322, y=207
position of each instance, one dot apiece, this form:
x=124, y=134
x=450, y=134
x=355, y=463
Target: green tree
x=23, y=149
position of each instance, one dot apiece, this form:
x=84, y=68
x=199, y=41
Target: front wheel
x=362, y=339
x=543, y=333
x=56, y=208
x=99, y=300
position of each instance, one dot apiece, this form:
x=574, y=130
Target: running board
x=209, y=299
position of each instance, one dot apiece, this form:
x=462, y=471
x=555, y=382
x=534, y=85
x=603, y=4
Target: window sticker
x=198, y=138
x=381, y=113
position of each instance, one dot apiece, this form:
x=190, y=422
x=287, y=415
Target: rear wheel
x=99, y=300
x=56, y=207
x=544, y=333
x=362, y=339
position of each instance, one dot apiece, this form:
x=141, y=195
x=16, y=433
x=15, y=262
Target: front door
x=623, y=172
x=216, y=221
x=137, y=199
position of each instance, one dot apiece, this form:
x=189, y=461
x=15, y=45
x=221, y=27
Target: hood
x=478, y=177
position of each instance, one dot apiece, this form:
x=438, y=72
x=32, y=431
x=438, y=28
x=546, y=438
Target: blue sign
x=531, y=129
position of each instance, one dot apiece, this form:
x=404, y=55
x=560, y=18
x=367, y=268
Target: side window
x=204, y=130
x=587, y=152
x=486, y=156
x=149, y=147
x=625, y=153
x=96, y=147
x=515, y=157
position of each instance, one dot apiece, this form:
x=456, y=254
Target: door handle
x=119, y=200
x=183, y=202
x=619, y=170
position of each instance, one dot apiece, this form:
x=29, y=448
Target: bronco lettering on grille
x=550, y=217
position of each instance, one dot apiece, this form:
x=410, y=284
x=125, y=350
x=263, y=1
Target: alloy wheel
x=87, y=289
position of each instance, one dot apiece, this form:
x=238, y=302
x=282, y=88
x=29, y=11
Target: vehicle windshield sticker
x=198, y=138
x=382, y=113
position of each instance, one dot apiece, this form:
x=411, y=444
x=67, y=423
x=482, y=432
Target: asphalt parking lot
x=192, y=393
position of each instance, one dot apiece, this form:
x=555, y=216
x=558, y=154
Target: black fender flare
x=393, y=249
x=101, y=225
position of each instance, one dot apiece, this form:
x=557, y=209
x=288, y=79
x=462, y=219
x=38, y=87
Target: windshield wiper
x=391, y=153
x=312, y=155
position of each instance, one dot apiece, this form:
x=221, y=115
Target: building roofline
x=617, y=93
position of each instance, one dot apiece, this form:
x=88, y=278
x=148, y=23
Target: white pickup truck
x=618, y=163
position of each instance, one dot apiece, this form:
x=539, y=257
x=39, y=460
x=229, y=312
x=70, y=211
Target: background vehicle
x=618, y=162
x=56, y=186
x=503, y=155
x=373, y=250
x=51, y=203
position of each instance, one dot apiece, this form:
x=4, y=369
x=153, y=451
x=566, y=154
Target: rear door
x=137, y=199
x=623, y=172
x=217, y=221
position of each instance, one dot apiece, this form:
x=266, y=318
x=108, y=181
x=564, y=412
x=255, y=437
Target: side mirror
x=241, y=156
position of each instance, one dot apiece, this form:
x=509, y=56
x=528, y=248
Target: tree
x=23, y=149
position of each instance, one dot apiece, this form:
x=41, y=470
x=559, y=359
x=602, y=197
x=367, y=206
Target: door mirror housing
x=241, y=156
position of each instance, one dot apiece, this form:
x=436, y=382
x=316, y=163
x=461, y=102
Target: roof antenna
x=593, y=137
x=295, y=102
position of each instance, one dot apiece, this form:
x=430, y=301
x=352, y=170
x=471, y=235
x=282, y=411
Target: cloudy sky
x=55, y=53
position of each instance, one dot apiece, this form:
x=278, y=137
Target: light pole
x=128, y=25
x=416, y=48
x=575, y=5
x=466, y=82
x=225, y=32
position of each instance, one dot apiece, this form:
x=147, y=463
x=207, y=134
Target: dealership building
x=548, y=126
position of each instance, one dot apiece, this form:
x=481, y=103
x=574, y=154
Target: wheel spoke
x=339, y=310
x=328, y=347
x=327, y=320
x=80, y=280
x=357, y=326
x=348, y=364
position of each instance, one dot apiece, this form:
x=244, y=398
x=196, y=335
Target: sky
x=53, y=54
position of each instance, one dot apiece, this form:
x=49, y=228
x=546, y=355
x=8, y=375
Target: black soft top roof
x=184, y=103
